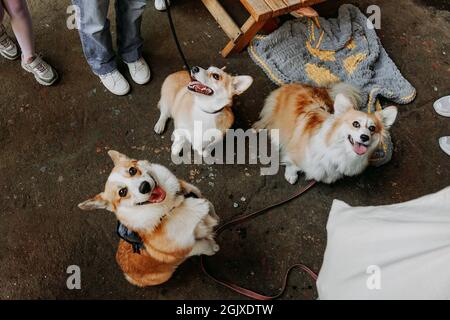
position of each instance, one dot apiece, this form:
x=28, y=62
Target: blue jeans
x=96, y=37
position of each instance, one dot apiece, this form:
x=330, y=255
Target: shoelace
x=5, y=41
x=41, y=67
x=114, y=76
x=138, y=65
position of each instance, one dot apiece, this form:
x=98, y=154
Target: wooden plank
x=223, y=19
x=296, y=4
x=293, y=2
x=279, y=7
x=258, y=9
x=249, y=29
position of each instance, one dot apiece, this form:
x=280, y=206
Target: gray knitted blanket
x=320, y=51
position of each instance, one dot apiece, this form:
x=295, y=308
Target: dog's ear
x=117, y=157
x=388, y=116
x=97, y=202
x=342, y=104
x=241, y=84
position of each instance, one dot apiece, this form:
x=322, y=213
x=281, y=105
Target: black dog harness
x=132, y=237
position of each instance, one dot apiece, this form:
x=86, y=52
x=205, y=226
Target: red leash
x=246, y=292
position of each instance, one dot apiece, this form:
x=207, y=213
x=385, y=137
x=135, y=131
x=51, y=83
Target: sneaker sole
x=441, y=100
x=444, y=146
x=39, y=80
x=142, y=82
x=6, y=56
x=117, y=93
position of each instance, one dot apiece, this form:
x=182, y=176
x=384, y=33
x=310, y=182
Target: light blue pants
x=96, y=37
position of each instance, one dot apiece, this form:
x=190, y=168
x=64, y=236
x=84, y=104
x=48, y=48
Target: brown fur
x=299, y=111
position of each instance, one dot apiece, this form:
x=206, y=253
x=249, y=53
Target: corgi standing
x=204, y=96
x=321, y=131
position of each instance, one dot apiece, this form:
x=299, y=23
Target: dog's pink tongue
x=199, y=87
x=359, y=148
x=158, y=195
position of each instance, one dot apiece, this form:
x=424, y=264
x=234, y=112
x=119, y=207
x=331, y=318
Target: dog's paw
x=212, y=249
x=177, y=150
x=159, y=127
x=291, y=178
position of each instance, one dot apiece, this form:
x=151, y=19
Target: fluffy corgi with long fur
x=321, y=132
x=169, y=217
x=203, y=96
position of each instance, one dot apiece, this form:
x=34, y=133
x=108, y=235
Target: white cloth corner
x=399, y=251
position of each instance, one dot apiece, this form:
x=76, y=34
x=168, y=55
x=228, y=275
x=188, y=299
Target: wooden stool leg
x=249, y=30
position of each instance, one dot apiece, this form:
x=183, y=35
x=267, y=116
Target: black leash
x=175, y=37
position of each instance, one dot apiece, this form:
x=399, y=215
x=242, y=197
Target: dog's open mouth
x=197, y=86
x=158, y=195
x=359, y=148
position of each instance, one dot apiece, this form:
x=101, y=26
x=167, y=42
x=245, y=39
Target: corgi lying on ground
x=162, y=220
x=203, y=95
x=320, y=131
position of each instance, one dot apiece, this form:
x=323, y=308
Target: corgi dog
x=201, y=96
x=162, y=220
x=321, y=132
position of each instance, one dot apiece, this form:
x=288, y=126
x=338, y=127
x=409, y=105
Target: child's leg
x=22, y=27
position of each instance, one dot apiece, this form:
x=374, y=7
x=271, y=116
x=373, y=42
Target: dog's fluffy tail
x=351, y=92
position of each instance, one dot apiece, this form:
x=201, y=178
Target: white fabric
x=399, y=251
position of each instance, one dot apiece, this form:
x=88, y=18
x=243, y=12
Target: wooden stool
x=260, y=12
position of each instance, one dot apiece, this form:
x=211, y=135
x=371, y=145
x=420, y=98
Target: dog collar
x=133, y=237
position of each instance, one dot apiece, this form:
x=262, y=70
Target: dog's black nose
x=195, y=69
x=365, y=138
x=145, y=187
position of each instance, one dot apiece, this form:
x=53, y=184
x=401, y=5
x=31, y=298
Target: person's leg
x=22, y=27
x=95, y=35
x=129, y=19
x=129, y=40
x=8, y=48
x=23, y=30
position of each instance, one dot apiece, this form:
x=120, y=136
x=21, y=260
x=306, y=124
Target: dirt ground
x=54, y=142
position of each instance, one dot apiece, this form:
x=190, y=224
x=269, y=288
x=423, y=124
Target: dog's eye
x=356, y=124
x=372, y=128
x=132, y=171
x=216, y=76
x=123, y=192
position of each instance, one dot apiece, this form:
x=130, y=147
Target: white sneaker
x=116, y=83
x=442, y=106
x=160, y=5
x=139, y=71
x=8, y=48
x=42, y=71
x=444, y=142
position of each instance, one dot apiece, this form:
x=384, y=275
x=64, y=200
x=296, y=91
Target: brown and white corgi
x=169, y=218
x=321, y=132
x=203, y=96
